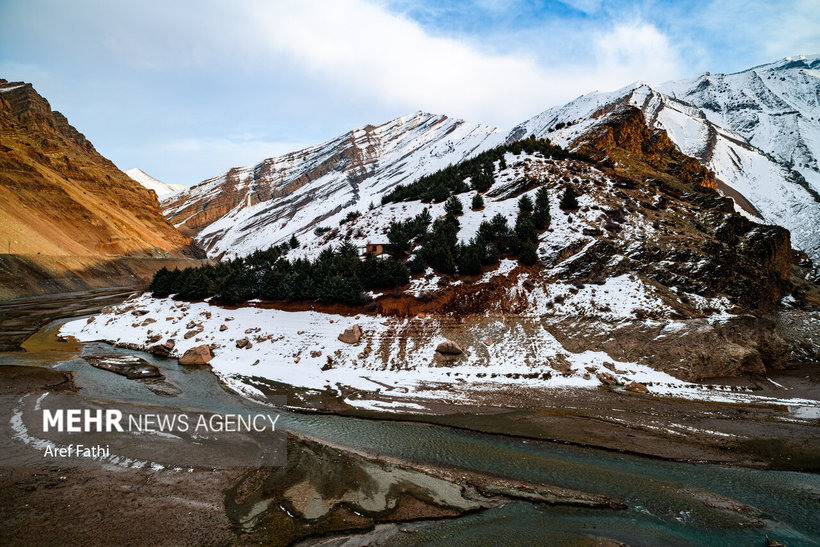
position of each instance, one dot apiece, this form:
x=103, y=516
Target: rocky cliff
x=60, y=197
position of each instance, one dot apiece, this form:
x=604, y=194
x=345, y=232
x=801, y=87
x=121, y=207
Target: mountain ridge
x=341, y=175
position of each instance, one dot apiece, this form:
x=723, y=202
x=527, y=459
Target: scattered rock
x=243, y=343
x=611, y=366
x=488, y=341
x=153, y=339
x=351, y=335
x=223, y=328
x=448, y=347
x=148, y=322
x=200, y=355
x=561, y=364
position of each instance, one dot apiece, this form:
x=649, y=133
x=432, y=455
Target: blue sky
x=187, y=89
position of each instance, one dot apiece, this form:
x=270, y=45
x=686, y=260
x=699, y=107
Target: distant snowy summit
x=161, y=188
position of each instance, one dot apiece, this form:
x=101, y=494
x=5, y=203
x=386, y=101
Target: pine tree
x=529, y=254
x=162, y=283
x=440, y=257
x=469, y=262
x=525, y=205
x=453, y=206
x=293, y=243
x=399, y=241
x=478, y=202
x=541, y=214
x=542, y=197
x=569, y=201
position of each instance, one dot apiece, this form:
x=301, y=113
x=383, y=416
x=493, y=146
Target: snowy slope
x=253, y=207
x=776, y=107
x=162, y=189
x=771, y=185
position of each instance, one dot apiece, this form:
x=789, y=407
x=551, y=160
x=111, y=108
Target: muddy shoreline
x=22, y=317
x=680, y=430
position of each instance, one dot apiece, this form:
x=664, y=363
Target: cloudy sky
x=187, y=89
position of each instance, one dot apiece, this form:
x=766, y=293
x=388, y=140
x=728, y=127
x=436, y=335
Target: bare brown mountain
x=60, y=198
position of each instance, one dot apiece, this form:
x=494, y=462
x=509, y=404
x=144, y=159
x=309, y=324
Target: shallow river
x=660, y=511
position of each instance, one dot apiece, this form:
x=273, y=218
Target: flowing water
x=659, y=494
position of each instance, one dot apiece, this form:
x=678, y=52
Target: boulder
x=637, y=387
x=223, y=328
x=448, y=347
x=351, y=335
x=200, y=355
x=163, y=349
x=244, y=343
x=192, y=333
x=130, y=366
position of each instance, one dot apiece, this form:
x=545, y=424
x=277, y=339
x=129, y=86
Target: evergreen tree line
x=337, y=275
x=439, y=186
x=436, y=244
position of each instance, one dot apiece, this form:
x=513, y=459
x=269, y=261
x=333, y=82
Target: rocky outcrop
x=199, y=355
x=622, y=137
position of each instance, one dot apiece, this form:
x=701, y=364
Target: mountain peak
x=162, y=189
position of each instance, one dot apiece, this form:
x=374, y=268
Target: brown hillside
x=59, y=196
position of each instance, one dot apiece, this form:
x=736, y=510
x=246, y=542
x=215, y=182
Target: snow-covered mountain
x=758, y=130
x=776, y=107
x=253, y=207
x=161, y=188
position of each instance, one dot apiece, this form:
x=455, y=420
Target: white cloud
x=363, y=49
